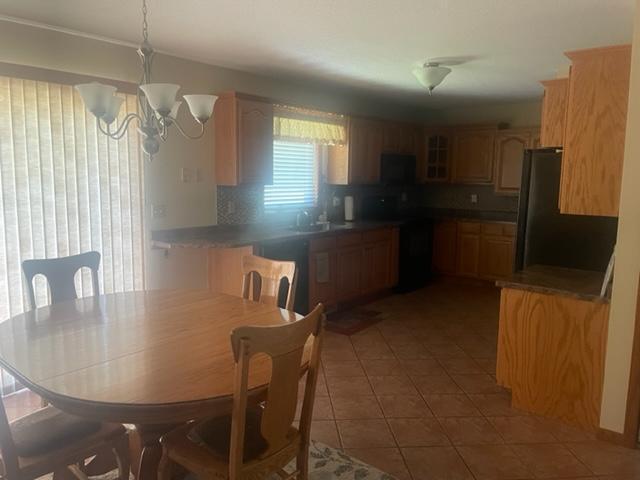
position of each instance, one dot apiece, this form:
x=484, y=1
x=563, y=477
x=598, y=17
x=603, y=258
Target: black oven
x=397, y=169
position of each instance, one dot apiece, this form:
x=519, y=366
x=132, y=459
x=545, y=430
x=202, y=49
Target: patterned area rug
x=325, y=463
x=352, y=321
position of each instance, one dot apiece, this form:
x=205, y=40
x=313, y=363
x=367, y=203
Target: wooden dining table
x=154, y=359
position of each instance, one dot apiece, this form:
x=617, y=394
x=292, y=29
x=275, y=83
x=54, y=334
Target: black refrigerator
x=547, y=237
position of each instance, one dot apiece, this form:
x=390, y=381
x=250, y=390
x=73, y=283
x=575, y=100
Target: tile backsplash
x=240, y=205
x=245, y=204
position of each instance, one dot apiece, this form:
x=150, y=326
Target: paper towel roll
x=348, y=208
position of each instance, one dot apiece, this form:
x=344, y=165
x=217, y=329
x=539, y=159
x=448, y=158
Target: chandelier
x=158, y=105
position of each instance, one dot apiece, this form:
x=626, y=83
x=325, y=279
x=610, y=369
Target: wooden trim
x=55, y=76
x=629, y=438
x=589, y=52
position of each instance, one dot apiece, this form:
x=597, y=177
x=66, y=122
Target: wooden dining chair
x=256, y=440
x=51, y=441
x=262, y=278
x=60, y=274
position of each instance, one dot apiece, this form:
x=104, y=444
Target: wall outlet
x=186, y=174
x=231, y=207
x=335, y=201
x=473, y=197
x=158, y=210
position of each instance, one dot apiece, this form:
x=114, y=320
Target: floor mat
x=325, y=463
x=352, y=321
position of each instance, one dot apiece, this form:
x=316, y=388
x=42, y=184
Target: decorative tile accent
x=240, y=205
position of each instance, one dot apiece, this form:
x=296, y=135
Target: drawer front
x=509, y=230
x=469, y=227
x=322, y=244
x=492, y=228
x=348, y=239
x=382, y=235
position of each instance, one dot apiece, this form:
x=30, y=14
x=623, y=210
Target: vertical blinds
x=294, y=177
x=65, y=189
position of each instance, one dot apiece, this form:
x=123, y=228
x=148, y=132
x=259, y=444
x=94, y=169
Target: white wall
x=625, y=285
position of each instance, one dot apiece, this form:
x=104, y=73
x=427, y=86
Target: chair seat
x=49, y=429
x=205, y=446
x=215, y=434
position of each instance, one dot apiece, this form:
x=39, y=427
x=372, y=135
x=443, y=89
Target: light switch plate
x=474, y=198
x=158, y=210
x=186, y=174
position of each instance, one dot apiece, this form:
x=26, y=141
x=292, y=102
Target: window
x=294, y=178
x=65, y=188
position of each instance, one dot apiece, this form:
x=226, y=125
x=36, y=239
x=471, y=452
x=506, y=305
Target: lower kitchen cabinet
x=468, y=249
x=349, y=271
x=484, y=250
x=344, y=267
x=445, y=238
x=376, y=266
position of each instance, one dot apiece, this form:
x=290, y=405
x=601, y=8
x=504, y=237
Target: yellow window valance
x=298, y=124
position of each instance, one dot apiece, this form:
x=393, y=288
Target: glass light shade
x=96, y=97
x=201, y=106
x=161, y=96
x=173, y=114
x=430, y=76
x=113, y=108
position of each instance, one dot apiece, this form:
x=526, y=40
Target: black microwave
x=397, y=169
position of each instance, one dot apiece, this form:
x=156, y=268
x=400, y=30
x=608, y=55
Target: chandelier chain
x=145, y=25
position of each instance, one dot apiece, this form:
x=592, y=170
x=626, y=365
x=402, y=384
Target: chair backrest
x=9, y=466
x=285, y=344
x=261, y=280
x=60, y=274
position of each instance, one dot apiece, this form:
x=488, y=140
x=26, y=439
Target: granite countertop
x=229, y=236
x=581, y=284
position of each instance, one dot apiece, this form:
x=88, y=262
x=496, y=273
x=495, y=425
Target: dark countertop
x=581, y=284
x=229, y=236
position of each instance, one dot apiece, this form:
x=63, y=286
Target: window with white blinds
x=65, y=188
x=294, y=177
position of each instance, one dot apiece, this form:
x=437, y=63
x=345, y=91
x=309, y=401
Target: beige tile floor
x=415, y=395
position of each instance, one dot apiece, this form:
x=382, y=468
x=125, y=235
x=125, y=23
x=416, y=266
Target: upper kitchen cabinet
x=243, y=127
x=554, y=110
x=358, y=162
x=593, y=146
x=509, y=152
x=437, y=156
x=472, y=155
x=400, y=138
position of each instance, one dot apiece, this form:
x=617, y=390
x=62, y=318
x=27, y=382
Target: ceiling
x=371, y=45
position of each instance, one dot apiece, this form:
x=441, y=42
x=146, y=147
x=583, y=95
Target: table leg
x=146, y=450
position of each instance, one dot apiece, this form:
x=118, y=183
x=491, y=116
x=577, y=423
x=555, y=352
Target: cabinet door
x=468, y=253
x=595, y=131
x=509, y=152
x=391, y=137
x=445, y=236
x=554, y=111
x=322, y=278
x=365, y=147
x=473, y=156
x=437, y=158
x=496, y=256
x=255, y=141
x=376, y=263
x=348, y=272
